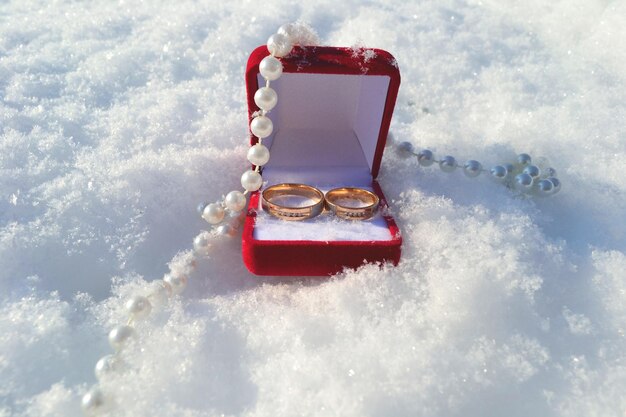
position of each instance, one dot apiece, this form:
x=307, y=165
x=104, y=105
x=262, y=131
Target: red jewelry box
x=330, y=128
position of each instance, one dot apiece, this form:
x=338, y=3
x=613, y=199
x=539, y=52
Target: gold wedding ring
x=352, y=203
x=273, y=201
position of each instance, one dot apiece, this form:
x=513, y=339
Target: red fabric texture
x=317, y=258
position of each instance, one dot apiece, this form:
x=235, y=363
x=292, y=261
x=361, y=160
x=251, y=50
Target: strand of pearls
x=261, y=126
x=531, y=179
x=139, y=307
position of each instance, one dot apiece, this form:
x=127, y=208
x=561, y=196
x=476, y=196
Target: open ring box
x=330, y=128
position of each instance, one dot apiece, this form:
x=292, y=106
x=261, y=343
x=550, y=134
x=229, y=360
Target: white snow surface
x=118, y=117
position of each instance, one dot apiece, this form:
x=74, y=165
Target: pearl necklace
x=530, y=179
x=139, y=307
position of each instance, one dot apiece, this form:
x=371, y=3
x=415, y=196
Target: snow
x=117, y=118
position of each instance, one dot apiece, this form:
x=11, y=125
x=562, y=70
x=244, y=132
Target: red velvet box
x=330, y=128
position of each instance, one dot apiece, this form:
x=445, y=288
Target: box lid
x=333, y=113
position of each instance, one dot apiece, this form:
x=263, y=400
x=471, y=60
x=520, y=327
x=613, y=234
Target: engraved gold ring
x=352, y=203
x=292, y=201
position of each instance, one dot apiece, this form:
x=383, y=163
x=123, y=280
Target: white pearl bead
x=120, y=336
x=499, y=172
x=261, y=126
x=524, y=159
x=425, y=157
x=138, y=307
x=556, y=184
x=235, y=201
x=405, y=149
x=226, y=230
x=178, y=283
x=289, y=30
x=279, y=45
x=258, y=154
x=266, y=98
x=95, y=402
x=448, y=164
x=202, y=244
x=271, y=68
x=472, y=168
x=524, y=182
x=107, y=365
x=251, y=180
x=532, y=170
x=544, y=188
x=299, y=34
x=213, y=213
